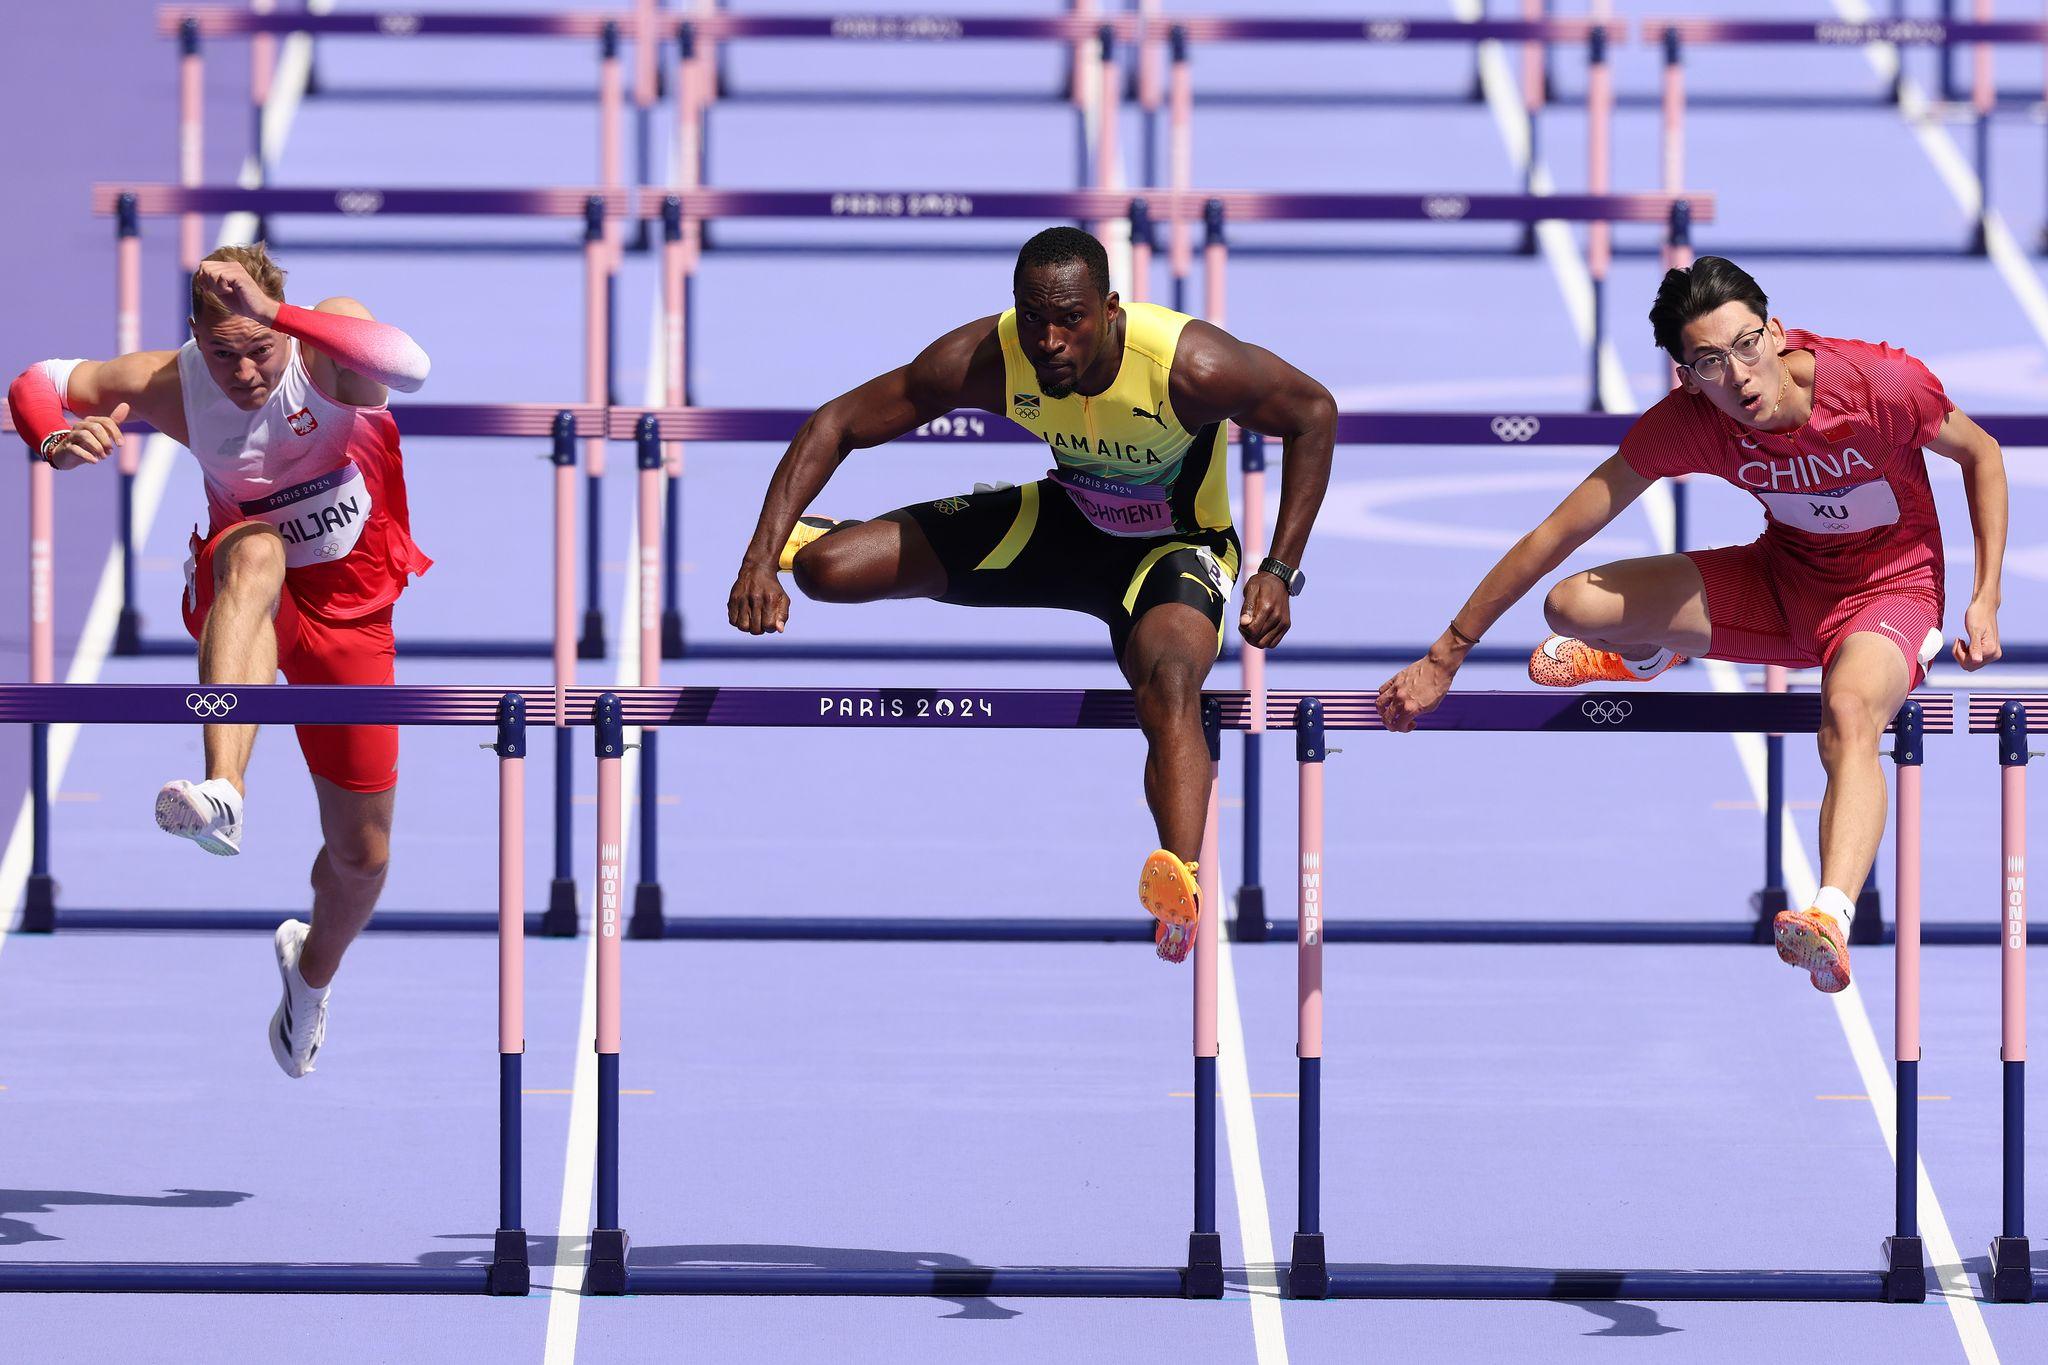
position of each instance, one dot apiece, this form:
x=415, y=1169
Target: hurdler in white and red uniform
x=308, y=546
x=1830, y=437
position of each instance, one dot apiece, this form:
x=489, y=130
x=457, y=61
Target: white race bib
x=1835, y=511
x=320, y=520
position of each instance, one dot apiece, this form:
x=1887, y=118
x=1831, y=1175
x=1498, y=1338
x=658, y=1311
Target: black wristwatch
x=1294, y=578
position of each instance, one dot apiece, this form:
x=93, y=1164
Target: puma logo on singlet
x=1206, y=585
x=1154, y=415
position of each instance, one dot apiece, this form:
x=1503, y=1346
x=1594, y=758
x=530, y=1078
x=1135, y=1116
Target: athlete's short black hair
x=1063, y=246
x=1686, y=295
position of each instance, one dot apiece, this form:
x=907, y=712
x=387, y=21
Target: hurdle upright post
x=1250, y=924
x=598, y=283
x=1308, y=1269
x=1139, y=285
x=1984, y=102
x=675, y=282
x=1180, y=134
x=1535, y=93
x=1215, y=261
x=191, y=149
x=1772, y=898
x=611, y=101
x=510, y=1272
x=560, y=921
x=647, y=921
x=1599, y=178
x=127, y=340
x=1904, y=1256
x=1109, y=96
x=2012, y=1268
x=1204, y=1277
x=262, y=71
x=39, y=902
x=604, y=1269
x=1678, y=255
x=1148, y=82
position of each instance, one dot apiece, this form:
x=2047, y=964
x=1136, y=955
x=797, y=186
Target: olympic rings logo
x=398, y=25
x=1605, y=712
x=1387, y=31
x=1513, y=429
x=1446, y=207
x=209, y=704
x=358, y=202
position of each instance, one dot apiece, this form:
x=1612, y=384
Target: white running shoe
x=300, y=1024
x=208, y=813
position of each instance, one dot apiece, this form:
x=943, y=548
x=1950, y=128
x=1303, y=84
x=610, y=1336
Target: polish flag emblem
x=303, y=422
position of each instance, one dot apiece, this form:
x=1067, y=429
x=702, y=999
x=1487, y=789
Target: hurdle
x=1536, y=32
x=1903, y=1276
x=1674, y=35
x=193, y=25
x=703, y=37
x=129, y=204
x=508, y=1272
x=563, y=427
x=2012, y=1277
x=607, y=1269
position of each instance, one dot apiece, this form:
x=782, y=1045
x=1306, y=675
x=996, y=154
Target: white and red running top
x=1845, y=496
x=327, y=474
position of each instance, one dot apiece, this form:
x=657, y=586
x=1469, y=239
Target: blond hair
x=254, y=258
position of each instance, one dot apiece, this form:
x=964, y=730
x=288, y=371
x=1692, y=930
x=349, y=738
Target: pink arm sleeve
x=375, y=350
x=36, y=406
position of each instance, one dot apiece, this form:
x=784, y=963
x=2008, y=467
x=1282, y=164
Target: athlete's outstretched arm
x=963, y=368
x=103, y=394
x=1585, y=511
x=1218, y=378
x=1983, y=462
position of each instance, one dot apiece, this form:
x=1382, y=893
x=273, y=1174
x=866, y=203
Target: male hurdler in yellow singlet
x=1132, y=524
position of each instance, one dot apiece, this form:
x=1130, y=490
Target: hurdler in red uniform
x=308, y=544
x=1829, y=436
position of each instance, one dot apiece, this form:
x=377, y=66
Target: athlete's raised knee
x=820, y=572
x=1573, y=606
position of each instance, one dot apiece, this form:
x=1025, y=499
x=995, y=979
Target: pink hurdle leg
x=2012, y=1274
x=1180, y=137
x=1205, y=1242
x=605, y=1269
x=611, y=157
x=1905, y=1257
x=1215, y=260
x=1308, y=1267
x=509, y=1273
x=191, y=140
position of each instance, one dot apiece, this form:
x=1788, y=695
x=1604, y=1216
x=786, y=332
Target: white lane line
x=153, y=472
x=1247, y=1178
x=579, y=1164
x=1849, y=1009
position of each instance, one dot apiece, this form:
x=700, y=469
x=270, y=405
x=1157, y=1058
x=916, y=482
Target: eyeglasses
x=1712, y=366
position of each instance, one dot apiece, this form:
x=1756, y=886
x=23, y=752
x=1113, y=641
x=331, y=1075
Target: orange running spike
x=1561, y=661
x=1812, y=941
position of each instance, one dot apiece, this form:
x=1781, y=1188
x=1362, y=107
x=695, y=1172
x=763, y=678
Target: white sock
x=1837, y=903
x=1650, y=667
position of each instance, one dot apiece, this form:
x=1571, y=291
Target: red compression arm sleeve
x=36, y=406
x=375, y=350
